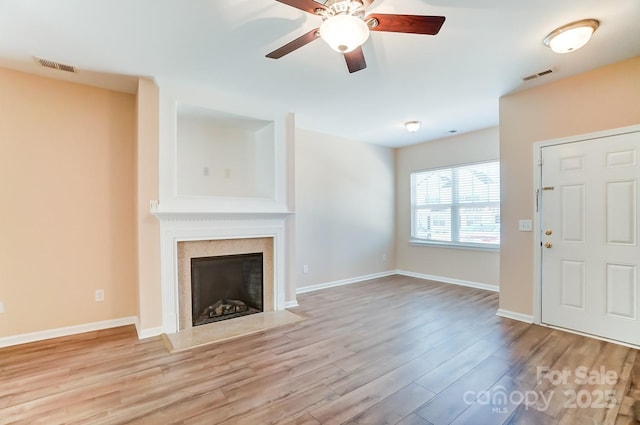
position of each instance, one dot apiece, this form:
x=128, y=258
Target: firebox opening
x=225, y=287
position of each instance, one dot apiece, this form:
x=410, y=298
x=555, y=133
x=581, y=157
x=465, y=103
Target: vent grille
x=539, y=74
x=55, y=65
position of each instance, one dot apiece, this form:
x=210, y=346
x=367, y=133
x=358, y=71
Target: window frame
x=454, y=206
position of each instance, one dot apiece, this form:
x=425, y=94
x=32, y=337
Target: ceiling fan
x=345, y=27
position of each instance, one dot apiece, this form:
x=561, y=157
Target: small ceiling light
x=344, y=33
x=412, y=126
x=572, y=36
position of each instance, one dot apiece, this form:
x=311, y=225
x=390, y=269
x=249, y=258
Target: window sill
x=434, y=244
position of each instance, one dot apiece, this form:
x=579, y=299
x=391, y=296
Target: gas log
x=221, y=308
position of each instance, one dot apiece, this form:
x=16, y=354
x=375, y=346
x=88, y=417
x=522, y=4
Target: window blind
x=457, y=205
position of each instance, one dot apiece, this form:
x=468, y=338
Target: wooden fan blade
x=295, y=44
x=306, y=5
x=413, y=24
x=355, y=60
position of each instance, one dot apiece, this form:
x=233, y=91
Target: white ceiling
x=451, y=81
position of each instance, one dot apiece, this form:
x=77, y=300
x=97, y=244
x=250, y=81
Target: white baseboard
x=291, y=304
x=477, y=285
x=325, y=285
x=526, y=318
x=148, y=333
x=66, y=331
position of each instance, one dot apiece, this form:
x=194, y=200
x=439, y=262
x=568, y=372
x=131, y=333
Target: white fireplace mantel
x=214, y=216
x=167, y=216
x=180, y=227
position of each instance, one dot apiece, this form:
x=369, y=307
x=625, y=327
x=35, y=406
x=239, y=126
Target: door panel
x=621, y=291
x=621, y=159
x=572, y=163
x=589, y=237
x=573, y=284
x=573, y=213
x=621, y=212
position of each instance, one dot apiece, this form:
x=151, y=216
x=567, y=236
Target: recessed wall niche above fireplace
x=225, y=287
x=224, y=155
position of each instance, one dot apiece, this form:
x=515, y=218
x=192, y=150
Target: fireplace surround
x=187, y=235
x=188, y=251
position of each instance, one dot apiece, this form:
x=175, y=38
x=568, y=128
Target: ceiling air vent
x=539, y=74
x=55, y=65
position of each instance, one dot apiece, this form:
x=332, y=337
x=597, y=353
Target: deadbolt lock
x=548, y=245
x=548, y=232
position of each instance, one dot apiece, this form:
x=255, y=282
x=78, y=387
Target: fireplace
x=225, y=287
x=204, y=260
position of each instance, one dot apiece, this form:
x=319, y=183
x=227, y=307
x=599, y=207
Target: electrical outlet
x=205, y=171
x=384, y=257
x=1, y=307
x=99, y=294
x=305, y=269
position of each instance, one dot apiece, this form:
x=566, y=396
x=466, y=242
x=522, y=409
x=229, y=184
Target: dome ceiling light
x=412, y=126
x=569, y=38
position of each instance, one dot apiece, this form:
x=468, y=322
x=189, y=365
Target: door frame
x=537, y=193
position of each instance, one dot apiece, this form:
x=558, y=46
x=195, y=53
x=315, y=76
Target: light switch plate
x=99, y=296
x=525, y=225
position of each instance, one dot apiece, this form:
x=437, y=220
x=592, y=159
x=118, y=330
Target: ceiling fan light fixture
x=571, y=37
x=344, y=33
x=412, y=126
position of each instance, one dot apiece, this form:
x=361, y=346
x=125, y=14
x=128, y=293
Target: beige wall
x=344, y=208
x=148, y=228
x=460, y=264
x=67, y=190
x=605, y=98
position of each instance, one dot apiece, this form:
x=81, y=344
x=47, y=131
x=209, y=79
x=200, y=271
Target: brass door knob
x=548, y=232
x=548, y=245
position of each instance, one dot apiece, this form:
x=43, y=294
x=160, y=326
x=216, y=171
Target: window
x=457, y=206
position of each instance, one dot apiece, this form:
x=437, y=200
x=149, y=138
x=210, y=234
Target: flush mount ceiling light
x=571, y=37
x=412, y=126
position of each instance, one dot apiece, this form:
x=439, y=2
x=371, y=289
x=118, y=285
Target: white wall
x=265, y=162
x=345, y=206
x=452, y=263
x=227, y=161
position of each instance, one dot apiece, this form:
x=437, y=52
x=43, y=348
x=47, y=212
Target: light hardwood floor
x=396, y=350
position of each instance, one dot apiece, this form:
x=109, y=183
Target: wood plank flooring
x=396, y=350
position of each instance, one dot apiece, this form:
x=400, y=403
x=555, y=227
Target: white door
x=589, y=236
